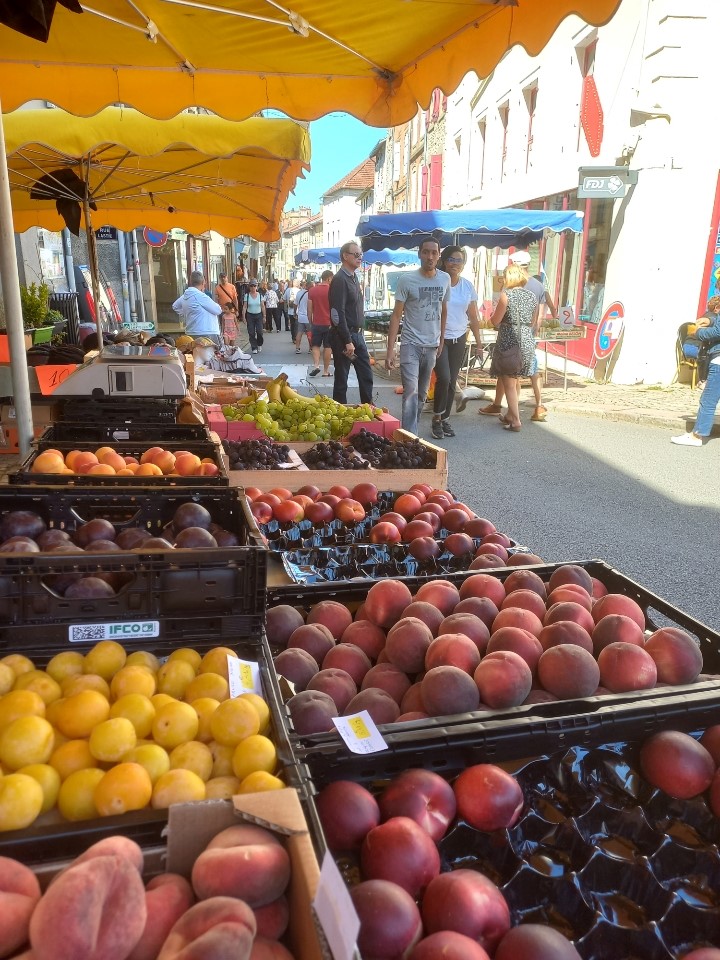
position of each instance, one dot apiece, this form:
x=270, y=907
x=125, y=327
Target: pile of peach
x=99, y=909
x=103, y=733
x=462, y=915
x=490, y=645
x=108, y=462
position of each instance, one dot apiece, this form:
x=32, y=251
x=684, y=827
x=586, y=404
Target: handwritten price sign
x=360, y=733
x=51, y=375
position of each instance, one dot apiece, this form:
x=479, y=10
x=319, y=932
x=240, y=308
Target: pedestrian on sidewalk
x=708, y=332
x=535, y=285
x=303, y=322
x=319, y=317
x=226, y=296
x=282, y=306
x=272, y=310
x=462, y=312
x=290, y=296
x=421, y=298
x=347, y=320
x=514, y=317
x=254, y=316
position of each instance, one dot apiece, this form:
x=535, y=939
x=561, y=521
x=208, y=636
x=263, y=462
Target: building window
x=530, y=94
x=504, y=113
x=435, y=192
x=482, y=131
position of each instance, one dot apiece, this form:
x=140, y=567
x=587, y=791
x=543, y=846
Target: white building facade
x=342, y=204
x=632, y=94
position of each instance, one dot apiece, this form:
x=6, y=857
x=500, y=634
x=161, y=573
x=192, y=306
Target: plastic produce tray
x=202, y=449
x=52, y=839
x=164, y=434
x=621, y=869
x=218, y=592
x=121, y=410
x=658, y=613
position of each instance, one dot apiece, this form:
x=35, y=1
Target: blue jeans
x=416, y=367
x=708, y=402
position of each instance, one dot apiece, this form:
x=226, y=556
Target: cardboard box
x=42, y=414
x=191, y=826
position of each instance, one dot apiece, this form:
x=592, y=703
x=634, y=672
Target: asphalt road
x=577, y=488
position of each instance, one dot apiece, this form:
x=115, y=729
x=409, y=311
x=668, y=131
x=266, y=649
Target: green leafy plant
x=34, y=302
x=52, y=317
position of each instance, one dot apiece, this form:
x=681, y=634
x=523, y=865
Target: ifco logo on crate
x=85, y=632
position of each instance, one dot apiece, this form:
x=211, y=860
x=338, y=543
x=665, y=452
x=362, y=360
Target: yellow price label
x=357, y=725
x=246, y=677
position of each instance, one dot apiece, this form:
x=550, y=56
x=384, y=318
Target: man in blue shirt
x=199, y=312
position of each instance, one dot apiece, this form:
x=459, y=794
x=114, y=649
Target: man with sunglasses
x=346, y=331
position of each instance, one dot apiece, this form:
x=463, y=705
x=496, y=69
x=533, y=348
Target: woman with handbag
x=514, y=353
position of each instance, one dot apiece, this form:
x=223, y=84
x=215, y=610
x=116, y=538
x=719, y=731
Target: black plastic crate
x=52, y=839
x=619, y=868
x=202, y=449
x=121, y=410
x=169, y=435
x=218, y=592
x=658, y=613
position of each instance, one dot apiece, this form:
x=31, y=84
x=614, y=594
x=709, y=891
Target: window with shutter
x=435, y=191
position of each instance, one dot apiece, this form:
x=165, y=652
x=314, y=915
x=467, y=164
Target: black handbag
x=507, y=362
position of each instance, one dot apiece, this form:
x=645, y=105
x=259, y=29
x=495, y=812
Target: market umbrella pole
x=93, y=263
x=9, y=278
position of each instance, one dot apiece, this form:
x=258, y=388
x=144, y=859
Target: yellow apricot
x=221, y=788
x=111, y=739
x=105, y=659
x=42, y=683
x=188, y=654
x=18, y=663
x=21, y=800
x=49, y=780
x=133, y=679
x=69, y=663
x=71, y=756
x=259, y=782
x=174, y=724
x=215, y=661
x=207, y=685
x=143, y=658
x=233, y=721
x=20, y=703
x=173, y=678
x=86, y=681
x=138, y=710
x=24, y=741
x=176, y=786
x=76, y=797
x=151, y=756
x=263, y=710
x=204, y=708
x=126, y=786
x=79, y=714
x=252, y=754
x=194, y=756
x=222, y=759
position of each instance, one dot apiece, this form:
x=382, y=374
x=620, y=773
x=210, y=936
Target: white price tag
x=360, y=733
x=243, y=677
x=335, y=912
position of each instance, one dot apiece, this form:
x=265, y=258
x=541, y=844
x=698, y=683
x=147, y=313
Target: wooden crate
x=294, y=477
x=384, y=425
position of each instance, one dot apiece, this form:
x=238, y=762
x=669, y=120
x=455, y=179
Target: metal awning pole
x=13, y=308
x=93, y=263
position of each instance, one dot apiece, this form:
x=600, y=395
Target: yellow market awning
x=195, y=171
x=377, y=59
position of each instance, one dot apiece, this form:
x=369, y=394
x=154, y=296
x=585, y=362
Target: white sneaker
x=254, y=351
x=687, y=440
x=259, y=349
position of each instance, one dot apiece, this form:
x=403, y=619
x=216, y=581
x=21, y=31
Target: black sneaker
x=436, y=429
x=447, y=429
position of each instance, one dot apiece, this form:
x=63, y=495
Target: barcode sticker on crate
x=87, y=632
x=243, y=677
x=360, y=733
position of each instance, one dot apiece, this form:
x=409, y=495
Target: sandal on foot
x=514, y=427
x=490, y=411
x=447, y=429
x=539, y=415
x=315, y=372
x=504, y=419
x=436, y=429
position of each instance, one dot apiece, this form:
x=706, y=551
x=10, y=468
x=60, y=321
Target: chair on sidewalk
x=686, y=353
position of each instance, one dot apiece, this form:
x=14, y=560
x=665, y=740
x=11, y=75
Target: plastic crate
x=619, y=868
x=203, y=449
x=51, y=840
x=121, y=410
x=169, y=435
x=658, y=613
x=218, y=592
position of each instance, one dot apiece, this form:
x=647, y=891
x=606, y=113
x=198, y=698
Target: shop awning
x=466, y=228
x=324, y=255
x=377, y=61
x=196, y=172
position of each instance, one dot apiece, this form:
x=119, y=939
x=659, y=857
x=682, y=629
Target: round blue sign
x=154, y=238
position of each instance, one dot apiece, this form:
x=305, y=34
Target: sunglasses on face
x=454, y=260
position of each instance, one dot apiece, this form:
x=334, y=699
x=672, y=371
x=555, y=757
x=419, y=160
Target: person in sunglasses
x=347, y=319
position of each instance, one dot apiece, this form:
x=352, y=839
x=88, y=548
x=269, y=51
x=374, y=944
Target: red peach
x=570, y=611
x=427, y=516
x=311, y=711
x=448, y=945
x=565, y=632
x=452, y=650
x=396, y=519
x=454, y=520
x=449, y=690
x=481, y=607
x=483, y=585
x=366, y=636
x=426, y=612
x=535, y=941
x=348, y=812
x=518, y=617
x=335, y=616
x=337, y=684
x=416, y=529
x=390, y=923
x=466, y=902
x=315, y=638
x=424, y=797
x=379, y=704
x=386, y=601
x=711, y=741
x=618, y=603
x=527, y=600
x=525, y=580
x=503, y=679
x=280, y=622
x=488, y=798
x=412, y=699
x=626, y=666
x=524, y=560
x=487, y=561
x=385, y=533
x=441, y=594
x=570, y=573
x=676, y=654
x=400, y=851
x=570, y=593
x=297, y=666
x=407, y=504
x=407, y=643
x=479, y=527
x=350, y=659
x=614, y=628
x=568, y=671
x=524, y=644
x=469, y=625
x=677, y=764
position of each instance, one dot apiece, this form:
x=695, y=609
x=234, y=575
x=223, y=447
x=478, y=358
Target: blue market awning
x=321, y=256
x=467, y=228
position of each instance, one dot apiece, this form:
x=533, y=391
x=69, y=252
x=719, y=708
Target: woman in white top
x=462, y=312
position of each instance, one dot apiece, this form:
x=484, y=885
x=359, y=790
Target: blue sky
x=339, y=143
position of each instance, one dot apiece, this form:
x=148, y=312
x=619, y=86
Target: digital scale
x=125, y=370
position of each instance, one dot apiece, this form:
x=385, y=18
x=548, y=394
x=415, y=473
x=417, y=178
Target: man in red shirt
x=319, y=317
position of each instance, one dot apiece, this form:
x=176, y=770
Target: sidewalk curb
x=651, y=418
